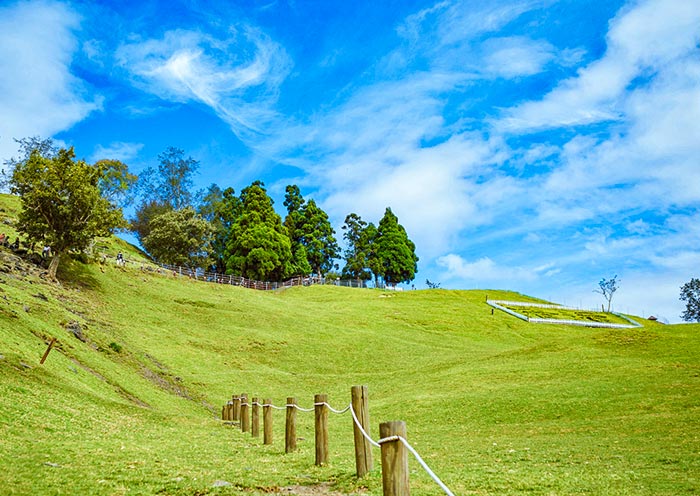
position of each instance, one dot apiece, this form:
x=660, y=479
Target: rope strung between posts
x=377, y=444
x=420, y=460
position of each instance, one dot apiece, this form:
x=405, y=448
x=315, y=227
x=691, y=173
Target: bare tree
x=607, y=289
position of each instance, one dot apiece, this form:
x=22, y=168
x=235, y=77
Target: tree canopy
x=179, y=237
x=314, y=246
x=358, y=248
x=607, y=288
x=396, y=253
x=259, y=247
x=62, y=204
x=383, y=251
x=690, y=294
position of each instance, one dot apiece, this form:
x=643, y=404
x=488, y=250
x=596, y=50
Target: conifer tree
x=309, y=228
x=258, y=247
x=395, y=252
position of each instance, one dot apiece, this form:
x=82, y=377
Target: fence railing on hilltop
x=220, y=278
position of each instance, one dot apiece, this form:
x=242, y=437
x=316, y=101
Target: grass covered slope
x=493, y=404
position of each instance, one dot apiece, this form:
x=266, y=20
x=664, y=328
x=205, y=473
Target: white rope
x=377, y=444
x=273, y=406
x=359, y=426
x=340, y=412
x=420, y=460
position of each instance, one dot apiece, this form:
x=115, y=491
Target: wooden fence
x=393, y=444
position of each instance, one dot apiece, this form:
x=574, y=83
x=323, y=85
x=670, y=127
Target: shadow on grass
x=75, y=272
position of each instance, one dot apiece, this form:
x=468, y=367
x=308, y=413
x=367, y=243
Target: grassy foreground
x=493, y=404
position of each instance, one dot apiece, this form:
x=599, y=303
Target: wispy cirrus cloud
x=39, y=94
x=237, y=74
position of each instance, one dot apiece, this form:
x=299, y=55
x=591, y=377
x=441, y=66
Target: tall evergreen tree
x=309, y=228
x=259, y=247
x=319, y=239
x=395, y=252
x=294, y=222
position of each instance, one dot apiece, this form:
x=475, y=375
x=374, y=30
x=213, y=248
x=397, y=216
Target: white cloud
x=515, y=56
x=39, y=96
x=237, y=75
x=642, y=39
x=118, y=150
x=484, y=271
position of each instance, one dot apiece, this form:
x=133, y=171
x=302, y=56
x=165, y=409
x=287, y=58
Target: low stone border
x=584, y=323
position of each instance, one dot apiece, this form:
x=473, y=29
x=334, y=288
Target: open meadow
x=129, y=399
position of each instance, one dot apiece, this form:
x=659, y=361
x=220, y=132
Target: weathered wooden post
x=267, y=421
x=394, y=460
x=290, y=428
x=363, y=448
x=255, y=425
x=46, y=353
x=224, y=412
x=321, y=428
x=245, y=413
x=236, y=408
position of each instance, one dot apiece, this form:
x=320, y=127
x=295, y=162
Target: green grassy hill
x=493, y=404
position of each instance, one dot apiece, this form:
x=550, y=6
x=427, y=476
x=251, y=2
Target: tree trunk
x=53, y=266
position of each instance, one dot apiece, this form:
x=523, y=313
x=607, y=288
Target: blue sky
x=536, y=146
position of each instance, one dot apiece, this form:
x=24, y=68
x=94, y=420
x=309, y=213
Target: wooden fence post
x=245, y=413
x=255, y=425
x=394, y=460
x=290, y=428
x=236, y=408
x=267, y=421
x=363, y=448
x=321, y=428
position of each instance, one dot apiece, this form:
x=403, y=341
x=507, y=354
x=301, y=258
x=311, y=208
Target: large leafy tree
x=62, y=205
x=147, y=211
x=172, y=182
x=310, y=231
x=179, y=237
x=169, y=186
x=690, y=294
x=116, y=182
x=258, y=247
x=294, y=222
x=395, y=252
x=358, y=248
x=220, y=208
x=319, y=239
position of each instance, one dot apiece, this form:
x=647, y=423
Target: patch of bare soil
x=317, y=490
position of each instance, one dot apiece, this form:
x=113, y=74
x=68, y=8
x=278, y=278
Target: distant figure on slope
x=120, y=259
